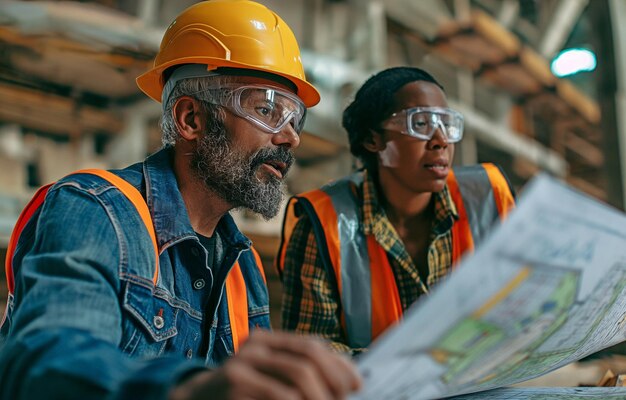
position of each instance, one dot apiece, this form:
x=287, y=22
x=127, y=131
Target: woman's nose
x=439, y=139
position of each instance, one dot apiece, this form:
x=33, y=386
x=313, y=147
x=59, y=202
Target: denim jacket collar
x=169, y=213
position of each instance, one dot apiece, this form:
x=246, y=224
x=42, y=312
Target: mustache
x=281, y=154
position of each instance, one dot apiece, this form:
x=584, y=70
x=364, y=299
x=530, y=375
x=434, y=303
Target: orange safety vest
x=358, y=266
x=236, y=292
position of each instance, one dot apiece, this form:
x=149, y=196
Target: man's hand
x=275, y=366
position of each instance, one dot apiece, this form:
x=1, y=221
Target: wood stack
x=554, y=112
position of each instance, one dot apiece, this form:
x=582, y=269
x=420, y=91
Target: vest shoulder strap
x=237, y=298
x=482, y=195
x=321, y=205
x=38, y=199
x=140, y=204
x=26, y=214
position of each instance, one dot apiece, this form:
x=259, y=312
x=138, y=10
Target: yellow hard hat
x=233, y=34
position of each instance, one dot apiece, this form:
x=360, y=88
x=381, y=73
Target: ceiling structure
x=67, y=69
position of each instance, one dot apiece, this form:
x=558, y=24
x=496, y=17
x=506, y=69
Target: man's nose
x=287, y=137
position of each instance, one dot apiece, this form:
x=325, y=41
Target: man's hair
x=197, y=88
x=373, y=103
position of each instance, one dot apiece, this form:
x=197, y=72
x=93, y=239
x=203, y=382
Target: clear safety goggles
x=423, y=122
x=267, y=107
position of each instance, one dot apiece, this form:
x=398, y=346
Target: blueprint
x=548, y=394
x=545, y=289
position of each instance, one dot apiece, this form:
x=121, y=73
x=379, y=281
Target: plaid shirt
x=310, y=301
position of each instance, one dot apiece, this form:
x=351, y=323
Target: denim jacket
x=87, y=322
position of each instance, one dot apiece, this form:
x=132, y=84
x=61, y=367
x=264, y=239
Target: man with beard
x=136, y=283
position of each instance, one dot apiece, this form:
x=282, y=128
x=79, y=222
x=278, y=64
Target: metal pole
x=607, y=18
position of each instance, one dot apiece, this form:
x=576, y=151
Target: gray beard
x=232, y=174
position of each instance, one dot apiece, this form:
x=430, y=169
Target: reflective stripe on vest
x=481, y=189
x=354, y=262
x=236, y=291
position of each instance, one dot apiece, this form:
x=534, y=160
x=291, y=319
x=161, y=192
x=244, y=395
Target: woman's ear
x=188, y=117
x=374, y=141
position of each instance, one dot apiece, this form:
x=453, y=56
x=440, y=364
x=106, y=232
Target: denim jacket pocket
x=224, y=347
x=148, y=321
x=258, y=318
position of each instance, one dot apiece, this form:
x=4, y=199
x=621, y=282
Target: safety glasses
x=423, y=122
x=267, y=107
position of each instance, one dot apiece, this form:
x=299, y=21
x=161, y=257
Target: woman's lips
x=439, y=168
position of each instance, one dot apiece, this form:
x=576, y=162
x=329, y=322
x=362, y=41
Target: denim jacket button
x=198, y=284
x=189, y=353
x=158, y=322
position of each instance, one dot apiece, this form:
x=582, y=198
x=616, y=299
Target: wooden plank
x=537, y=66
x=513, y=78
x=54, y=114
x=12, y=36
x=33, y=120
x=441, y=45
x=581, y=127
x=475, y=46
x=587, y=107
x=451, y=54
x=584, y=149
x=518, y=120
x=549, y=106
x=492, y=31
x=79, y=71
x=98, y=51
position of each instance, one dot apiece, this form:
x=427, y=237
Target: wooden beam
x=578, y=101
x=548, y=105
x=513, y=78
x=499, y=36
x=452, y=55
x=54, y=114
x=584, y=149
x=477, y=47
x=537, y=66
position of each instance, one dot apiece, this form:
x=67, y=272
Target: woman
x=358, y=252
